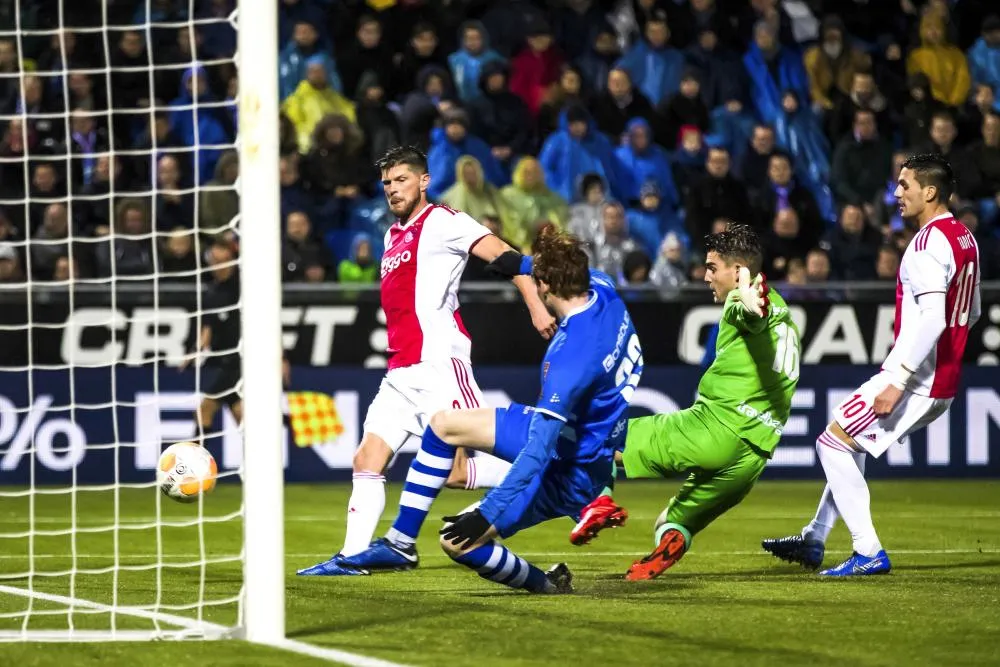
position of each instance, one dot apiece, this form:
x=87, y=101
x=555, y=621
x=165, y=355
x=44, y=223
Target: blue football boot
x=795, y=549
x=335, y=567
x=383, y=555
x=859, y=566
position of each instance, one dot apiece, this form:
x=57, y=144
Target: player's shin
x=849, y=490
x=424, y=480
x=364, y=509
x=818, y=530
x=497, y=563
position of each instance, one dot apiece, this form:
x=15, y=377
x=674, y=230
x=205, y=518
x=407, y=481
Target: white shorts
x=409, y=396
x=877, y=434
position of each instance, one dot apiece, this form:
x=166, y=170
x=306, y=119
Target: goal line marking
x=194, y=627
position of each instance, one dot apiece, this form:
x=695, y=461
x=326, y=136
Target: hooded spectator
x=293, y=62
x=369, y=51
x=644, y=162
x=536, y=68
x=797, y=131
x=528, y=200
x=599, y=59
x=467, y=63
x=685, y=107
x=471, y=193
x=313, y=100
x=218, y=201
x=450, y=142
x=586, y=212
x=943, y=63
x=653, y=64
x=651, y=219
x=360, y=267
x=670, y=269
x=423, y=49
x=722, y=75
x=433, y=96
x=832, y=64
x=499, y=117
x=378, y=123
x=984, y=56
x=336, y=171
x=773, y=68
x=578, y=148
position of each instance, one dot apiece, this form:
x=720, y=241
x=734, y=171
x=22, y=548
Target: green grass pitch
x=725, y=603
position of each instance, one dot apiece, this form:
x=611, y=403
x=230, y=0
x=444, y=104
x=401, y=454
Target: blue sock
x=426, y=476
x=498, y=563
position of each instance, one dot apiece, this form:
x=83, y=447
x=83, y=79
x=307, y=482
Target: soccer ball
x=185, y=471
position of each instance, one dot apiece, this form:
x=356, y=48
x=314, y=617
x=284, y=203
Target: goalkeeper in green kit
x=724, y=440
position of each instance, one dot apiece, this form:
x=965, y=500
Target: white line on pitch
x=582, y=553
x=82, y=520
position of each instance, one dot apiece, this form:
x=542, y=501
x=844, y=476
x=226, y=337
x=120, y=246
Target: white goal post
x=87, y=559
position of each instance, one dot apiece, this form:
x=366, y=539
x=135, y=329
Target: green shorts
x=721, y=467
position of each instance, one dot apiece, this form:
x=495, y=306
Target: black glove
x=463, y=530
x=506, y=266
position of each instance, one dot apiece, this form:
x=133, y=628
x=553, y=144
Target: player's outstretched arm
x=504, y=261
x=526, y=472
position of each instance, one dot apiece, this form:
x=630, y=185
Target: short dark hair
x=561, y=263
x=737, y=242
x=943, y=114
x=410, y=156
x=931, y=169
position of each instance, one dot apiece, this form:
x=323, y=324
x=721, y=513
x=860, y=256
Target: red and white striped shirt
x=421, y=268
x=942, y=257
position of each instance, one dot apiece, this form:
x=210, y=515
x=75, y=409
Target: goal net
x=128, y=137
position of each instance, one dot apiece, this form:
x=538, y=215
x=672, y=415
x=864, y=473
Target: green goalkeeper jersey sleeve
x=749, y=386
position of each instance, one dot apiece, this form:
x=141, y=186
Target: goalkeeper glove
x=753, y=294
x=464, y=529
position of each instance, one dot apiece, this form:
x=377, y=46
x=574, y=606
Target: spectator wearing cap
x=578, y=148
x=832, y=64
x=781, y=192
x=468, y=61
x=651, y=219
x=773, y=69
x=595, y=63
x=685, y=107
x=646, y=162
x=943, y=63
x=450, y=142
x=852, y=245
x=717, y=194
x=536, y=68
x=619, y=103
x=314, y=99
x=984, y=55
x=368, y=51
x=653, y=64
x=860, y=162
x=501, y=118
x=294, y=59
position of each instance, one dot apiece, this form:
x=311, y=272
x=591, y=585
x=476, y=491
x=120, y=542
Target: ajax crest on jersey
x=185, y=471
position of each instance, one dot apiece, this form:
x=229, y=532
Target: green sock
x=658, y=534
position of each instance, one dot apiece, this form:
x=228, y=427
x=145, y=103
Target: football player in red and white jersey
x=426, y=251
x=937, y=302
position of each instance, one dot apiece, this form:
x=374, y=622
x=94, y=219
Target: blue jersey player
x=562, y=449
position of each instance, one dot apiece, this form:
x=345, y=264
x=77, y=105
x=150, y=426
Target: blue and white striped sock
x=498, y=563
x=427, y=474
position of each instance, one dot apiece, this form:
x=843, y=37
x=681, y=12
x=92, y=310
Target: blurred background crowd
x=640, y=125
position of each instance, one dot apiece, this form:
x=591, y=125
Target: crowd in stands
x=639, y=125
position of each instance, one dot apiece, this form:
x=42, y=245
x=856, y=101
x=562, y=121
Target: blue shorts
x=562, y=490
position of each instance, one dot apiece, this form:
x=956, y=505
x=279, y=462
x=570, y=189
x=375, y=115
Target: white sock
x=364, y=509
x=818, y=530
x=849, y=490
x=485, y=471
